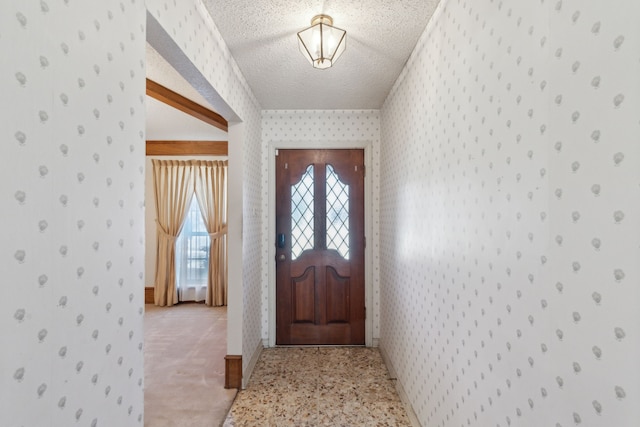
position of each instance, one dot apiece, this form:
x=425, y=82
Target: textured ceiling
x=261, y=35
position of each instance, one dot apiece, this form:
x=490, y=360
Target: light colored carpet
x=326, y=386
x=184, y=354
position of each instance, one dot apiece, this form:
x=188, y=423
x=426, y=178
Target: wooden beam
x=185, y=105
x=185, y=148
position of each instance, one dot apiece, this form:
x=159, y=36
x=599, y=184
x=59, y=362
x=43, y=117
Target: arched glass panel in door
x=337, y=223
x=302, y=214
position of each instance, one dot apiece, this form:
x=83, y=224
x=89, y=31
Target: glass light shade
x=322, y=44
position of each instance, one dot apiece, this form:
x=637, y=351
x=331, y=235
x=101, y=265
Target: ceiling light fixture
x=322, y=43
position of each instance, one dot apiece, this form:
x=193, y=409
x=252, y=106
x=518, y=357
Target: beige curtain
x=173, y=192
x=211, y=188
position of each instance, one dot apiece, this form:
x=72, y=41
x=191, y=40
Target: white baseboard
x=255, y=355
x=399, y=388
x=375, y=342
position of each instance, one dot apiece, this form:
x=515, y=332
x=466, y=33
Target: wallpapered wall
x=509, y=216
x=194, y=31
x=72, y=196
x=322, y=126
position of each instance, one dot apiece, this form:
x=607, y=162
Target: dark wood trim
x=233, y=371
x=186, y=105
x=148, y=295
x=183, y=148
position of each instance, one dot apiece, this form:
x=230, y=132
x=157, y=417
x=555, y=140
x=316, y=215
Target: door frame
x=368, y=221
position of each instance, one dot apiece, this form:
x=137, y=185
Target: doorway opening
x=185, y=343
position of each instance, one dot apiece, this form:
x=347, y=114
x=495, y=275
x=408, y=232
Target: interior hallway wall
x=319, y=127
x=510, y=216
x=206, y=62
x=72, y=197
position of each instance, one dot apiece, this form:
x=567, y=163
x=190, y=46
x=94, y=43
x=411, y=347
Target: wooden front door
x=320, y=247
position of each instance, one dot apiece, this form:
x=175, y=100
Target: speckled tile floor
x=319, y=386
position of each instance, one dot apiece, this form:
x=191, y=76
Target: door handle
x=281, y=257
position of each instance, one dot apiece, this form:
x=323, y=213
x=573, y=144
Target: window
x=337, y=213
x=302, y=214
x=192, y=256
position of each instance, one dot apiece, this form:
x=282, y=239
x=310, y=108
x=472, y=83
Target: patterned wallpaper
x=72, y=197
x=254, y=266
x=509, y=207
x=322, y=126
x=194, y=31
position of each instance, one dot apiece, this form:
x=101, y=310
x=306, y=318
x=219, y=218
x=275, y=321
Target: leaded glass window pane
x=302, y=213
x=337, y=213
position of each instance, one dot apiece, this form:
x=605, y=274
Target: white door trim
x=368, y=211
